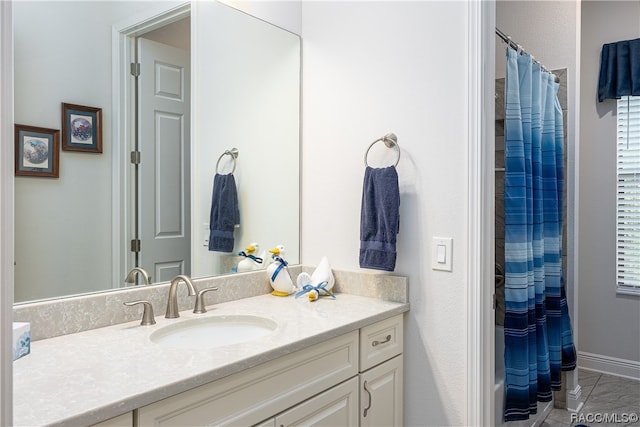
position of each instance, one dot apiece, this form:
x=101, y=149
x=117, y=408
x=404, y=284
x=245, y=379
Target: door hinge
x=135, y=245
x=135, y=157
x=495, y=301
x=135, y=69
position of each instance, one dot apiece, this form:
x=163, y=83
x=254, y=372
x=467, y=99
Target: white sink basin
x=213, y=331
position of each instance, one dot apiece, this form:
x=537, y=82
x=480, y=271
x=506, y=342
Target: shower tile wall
x=499, y=189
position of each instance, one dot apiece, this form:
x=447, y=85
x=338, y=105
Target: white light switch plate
x=442, y=253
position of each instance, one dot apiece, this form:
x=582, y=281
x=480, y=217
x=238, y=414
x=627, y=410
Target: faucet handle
x=147, y=314
x=199, y=307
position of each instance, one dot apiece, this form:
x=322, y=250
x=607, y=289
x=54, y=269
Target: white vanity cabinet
x=381, y=373
x=351, y=380
x=378, y=385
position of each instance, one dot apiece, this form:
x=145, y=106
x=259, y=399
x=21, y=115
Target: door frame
x=123, y=54
x=481, y=213
x=481, y=219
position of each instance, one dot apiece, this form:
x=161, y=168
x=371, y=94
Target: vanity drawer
x=251, y=396
x=380, y=341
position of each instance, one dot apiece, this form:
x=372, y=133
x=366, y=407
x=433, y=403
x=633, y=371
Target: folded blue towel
x=379, y=218
x=225, y=214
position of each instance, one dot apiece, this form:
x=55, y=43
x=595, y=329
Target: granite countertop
x=83, y=378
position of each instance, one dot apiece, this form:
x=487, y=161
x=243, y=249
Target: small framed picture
x=37, y=151
x=81, y=128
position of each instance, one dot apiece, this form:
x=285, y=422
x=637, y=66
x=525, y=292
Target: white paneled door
x=164, y=145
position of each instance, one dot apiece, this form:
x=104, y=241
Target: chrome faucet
x=131, y=277
x=172, y=302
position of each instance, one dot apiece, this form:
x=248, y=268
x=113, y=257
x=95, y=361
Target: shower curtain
x=538, y=335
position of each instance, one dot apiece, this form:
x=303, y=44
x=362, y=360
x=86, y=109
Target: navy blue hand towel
x=225, y=214
x=379, y=218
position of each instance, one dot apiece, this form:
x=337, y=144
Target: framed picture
x=81, y=128
x=37, y=151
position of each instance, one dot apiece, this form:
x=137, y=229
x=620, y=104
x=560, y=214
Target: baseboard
x=574, y=401
x=609, y=365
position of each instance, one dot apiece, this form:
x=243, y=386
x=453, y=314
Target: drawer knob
x=386, y=340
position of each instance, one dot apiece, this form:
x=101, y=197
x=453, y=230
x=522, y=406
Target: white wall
x=370, y=68
x=609, y=323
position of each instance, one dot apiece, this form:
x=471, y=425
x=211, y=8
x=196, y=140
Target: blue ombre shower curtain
x=538, y=336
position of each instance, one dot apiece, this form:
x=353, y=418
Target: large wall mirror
x=237, y=80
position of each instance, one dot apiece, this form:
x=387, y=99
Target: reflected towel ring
x=234, y=155
x=390, y=140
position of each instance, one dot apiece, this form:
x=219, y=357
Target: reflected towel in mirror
x=225, y=214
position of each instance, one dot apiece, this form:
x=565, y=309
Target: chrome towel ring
x=234, y=155
x=390, y=140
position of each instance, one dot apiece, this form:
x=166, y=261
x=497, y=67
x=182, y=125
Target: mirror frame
x=121, y=46
x=6, y=212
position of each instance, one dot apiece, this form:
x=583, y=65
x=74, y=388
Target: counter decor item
x=21, y=339
x=250, y=262
x=315, y=292
x=319, y=283
x=278, y=273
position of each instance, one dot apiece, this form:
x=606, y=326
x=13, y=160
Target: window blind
x=628, y=195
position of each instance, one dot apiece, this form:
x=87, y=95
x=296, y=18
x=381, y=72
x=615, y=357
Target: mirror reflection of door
x=163, y=208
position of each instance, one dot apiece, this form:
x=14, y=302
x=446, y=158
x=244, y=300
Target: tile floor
x=604, y=396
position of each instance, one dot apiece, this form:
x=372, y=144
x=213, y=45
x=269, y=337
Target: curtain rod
x=515, y=46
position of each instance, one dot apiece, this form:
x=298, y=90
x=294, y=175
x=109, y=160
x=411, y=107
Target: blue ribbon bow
x=320, y=288
x=282, y=265
x=255, y=258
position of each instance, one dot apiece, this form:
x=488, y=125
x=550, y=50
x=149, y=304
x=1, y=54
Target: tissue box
x=21, y=339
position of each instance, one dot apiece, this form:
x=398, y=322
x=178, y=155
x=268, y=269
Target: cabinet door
x=337, y=406
x=381, y=394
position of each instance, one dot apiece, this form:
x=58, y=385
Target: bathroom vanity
x=330, y=383
x=335, y=362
